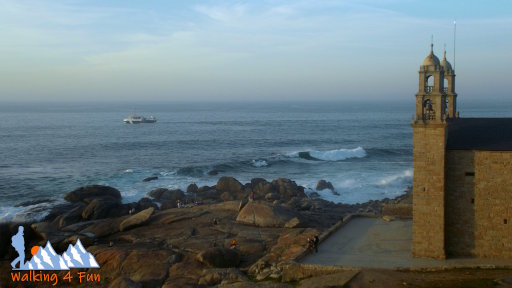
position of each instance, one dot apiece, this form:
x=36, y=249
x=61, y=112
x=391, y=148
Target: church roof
x=491, y=134
x=431, y=59
x=446, y=65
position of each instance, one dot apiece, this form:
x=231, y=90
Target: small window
x=470, y=173
x=505, y=221
x=472, y=200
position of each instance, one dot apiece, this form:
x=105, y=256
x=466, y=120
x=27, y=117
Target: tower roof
x=431, y=59
x=446, y=65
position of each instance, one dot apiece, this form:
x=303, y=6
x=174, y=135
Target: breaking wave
x=331, y=155
x=259, y=163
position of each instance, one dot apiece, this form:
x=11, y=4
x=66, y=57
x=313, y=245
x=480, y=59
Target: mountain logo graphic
x=45, y=258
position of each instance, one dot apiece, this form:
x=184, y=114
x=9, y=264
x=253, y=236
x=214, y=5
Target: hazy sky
x=247, y=50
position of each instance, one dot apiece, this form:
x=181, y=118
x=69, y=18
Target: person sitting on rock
x=311, y=244
x=233, y=244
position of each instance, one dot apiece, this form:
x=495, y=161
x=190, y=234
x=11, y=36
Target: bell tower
x=449, y=88
x=431, y=97
x=434, y=104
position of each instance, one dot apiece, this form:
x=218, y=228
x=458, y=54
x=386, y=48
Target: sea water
x=363, y=148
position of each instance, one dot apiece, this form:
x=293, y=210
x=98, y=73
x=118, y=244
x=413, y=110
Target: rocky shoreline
x=175, y=238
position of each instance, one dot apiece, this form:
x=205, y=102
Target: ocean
x=363, y=148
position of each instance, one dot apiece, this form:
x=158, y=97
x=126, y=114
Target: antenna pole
x=454, y=33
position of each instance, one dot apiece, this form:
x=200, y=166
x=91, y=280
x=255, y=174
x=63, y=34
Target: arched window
x=427, y=104
x=445, y=85
x=430, y=84
x=428, y=110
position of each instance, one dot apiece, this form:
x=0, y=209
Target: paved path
x=375, y=243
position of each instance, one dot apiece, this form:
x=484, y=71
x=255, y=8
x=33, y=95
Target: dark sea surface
x=363, y=148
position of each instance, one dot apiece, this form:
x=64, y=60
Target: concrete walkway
x=375, y=243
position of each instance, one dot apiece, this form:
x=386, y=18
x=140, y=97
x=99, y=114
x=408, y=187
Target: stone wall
x=493, y=204
x=460, y=208
x=479, y=204
x=401, y=211
x=429, y=141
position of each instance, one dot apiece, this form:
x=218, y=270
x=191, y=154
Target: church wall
x=479, y=204
x=428, y=190
x=460, y=207
x=493, y=204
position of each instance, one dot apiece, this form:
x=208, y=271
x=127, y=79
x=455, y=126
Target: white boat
x=136, y=119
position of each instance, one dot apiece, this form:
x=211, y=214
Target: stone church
x=462, y=183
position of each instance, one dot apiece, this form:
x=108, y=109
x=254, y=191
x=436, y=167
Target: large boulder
x=87, y=193
x=60, y=209
x=219, y=257
x=281, y=188
x=287, y=188
x=205, y=189
x=192, y=188
x=230, y=188
x=263, y=214
x=162, y=194
x=148, y=179
x=136, y=220
x=323, y=184
x=72, y=216
x=100, y=208
x=145, y=203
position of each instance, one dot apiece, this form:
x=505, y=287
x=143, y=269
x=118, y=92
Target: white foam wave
x=338, y=154
x=395, y=179
x=128, y=171
x=259, y=163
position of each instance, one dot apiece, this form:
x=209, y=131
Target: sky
x=310, y=50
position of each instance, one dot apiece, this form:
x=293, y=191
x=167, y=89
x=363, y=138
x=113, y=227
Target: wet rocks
x=281, y=188
x=168, y=198
x=148, y=179
x=93, y=191
x=71, y=216
x=33, y=202
x=100, y=208
x=323, y=184
x=145, y=203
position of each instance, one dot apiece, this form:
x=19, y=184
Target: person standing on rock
x=311, y=244
x=316, y=241
x=18, y=242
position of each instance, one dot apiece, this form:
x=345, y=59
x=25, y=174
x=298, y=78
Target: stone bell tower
x=434, y=104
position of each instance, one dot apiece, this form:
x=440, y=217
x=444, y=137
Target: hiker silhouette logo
x=45, y=258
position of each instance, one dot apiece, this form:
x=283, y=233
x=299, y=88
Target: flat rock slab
x=136, y=220
x=375, y=243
